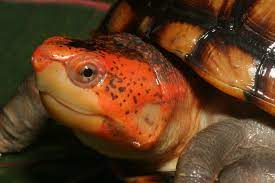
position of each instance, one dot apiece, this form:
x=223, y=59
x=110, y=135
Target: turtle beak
x=52, y=49
x=69, y=104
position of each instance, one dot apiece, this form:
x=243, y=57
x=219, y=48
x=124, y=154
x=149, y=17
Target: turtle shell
x=229, y=43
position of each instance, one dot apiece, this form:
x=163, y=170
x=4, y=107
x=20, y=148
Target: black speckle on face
x=135, y=99
x=115, y=83
x=112, y=83
x=158, y=95
x=121, y=89
x=114, y=97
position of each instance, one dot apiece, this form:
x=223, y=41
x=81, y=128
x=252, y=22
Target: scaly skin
x=21, y=118
x=230, y=151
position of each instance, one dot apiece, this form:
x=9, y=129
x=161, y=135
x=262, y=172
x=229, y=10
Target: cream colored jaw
x=74, y=106
x=71, y=118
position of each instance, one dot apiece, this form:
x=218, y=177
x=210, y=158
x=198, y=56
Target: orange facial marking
x=128, y=87
x=53, y=49
x=130, y=81
x=134, y=102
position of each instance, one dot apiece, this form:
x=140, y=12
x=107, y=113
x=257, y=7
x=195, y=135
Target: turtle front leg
x=21, y=118
x=230, y=151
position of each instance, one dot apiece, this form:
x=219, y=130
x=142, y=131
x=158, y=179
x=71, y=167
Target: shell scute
x=213, y=7
x=261, y=18
x=265, y=84
x=227, y=42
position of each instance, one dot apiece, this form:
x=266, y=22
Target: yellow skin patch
x=122, y=105
x=70, y=102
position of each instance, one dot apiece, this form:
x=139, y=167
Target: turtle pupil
x=87, y=72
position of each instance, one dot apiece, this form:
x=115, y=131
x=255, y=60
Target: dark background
x=56, y=156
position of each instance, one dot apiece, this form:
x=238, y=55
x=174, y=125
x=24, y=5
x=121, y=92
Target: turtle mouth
x=72, y=116
x=66, y=104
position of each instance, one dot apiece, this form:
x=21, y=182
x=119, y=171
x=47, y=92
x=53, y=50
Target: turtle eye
x=88, y=73
x=85, y=73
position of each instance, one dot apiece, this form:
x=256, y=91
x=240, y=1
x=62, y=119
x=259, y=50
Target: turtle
x=181, y=87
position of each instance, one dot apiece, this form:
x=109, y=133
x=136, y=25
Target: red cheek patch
x=128, y=85
x=127, y=88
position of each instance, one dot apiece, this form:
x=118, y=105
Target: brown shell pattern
x=229, y=43
x=261, y=18
x=214, y=7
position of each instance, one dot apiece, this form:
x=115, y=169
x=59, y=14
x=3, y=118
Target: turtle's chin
x=72, y=116
x=87, y=127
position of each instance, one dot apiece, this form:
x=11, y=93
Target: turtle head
x=112, y=89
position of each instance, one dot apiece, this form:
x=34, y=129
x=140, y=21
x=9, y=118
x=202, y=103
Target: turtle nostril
x=53, y=49
x=39, y=62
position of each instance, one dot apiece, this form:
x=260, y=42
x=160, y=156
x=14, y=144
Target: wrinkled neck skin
x=217, y=106
x=204, y=105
